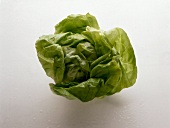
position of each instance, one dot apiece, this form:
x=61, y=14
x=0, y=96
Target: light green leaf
x=110, y=72
x=98, y=40
x=61, y=91
x=86, y=90
x=76, y=23
x=51, y=57
x=120, y=41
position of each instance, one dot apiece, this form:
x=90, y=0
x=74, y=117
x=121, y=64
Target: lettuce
x=86, y=62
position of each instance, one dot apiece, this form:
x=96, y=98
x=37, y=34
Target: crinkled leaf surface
x=76, y=23
x=127, y=61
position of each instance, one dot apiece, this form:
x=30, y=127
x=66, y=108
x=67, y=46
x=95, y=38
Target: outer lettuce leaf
x=120, y=41
x=61, y=91
x=86, y=62
x=76, y=23
x=51, y=57
x=84, y=91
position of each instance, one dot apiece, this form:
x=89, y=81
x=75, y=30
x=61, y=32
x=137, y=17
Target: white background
x=25, y=98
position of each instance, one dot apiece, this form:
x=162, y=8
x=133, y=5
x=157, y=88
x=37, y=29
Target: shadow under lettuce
x=99, y=113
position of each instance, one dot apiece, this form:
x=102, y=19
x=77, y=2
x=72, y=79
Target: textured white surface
x=25, y=98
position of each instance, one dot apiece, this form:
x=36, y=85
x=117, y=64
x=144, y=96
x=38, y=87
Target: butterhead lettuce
x=86, y=62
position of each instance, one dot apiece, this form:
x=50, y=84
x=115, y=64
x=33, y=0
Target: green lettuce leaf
x=76, y=23
x=86, y=62
x=127, y=61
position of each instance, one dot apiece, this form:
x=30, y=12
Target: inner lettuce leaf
x=86, y=62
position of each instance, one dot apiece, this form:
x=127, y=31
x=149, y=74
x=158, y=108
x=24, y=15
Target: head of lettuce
x=86, y=62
